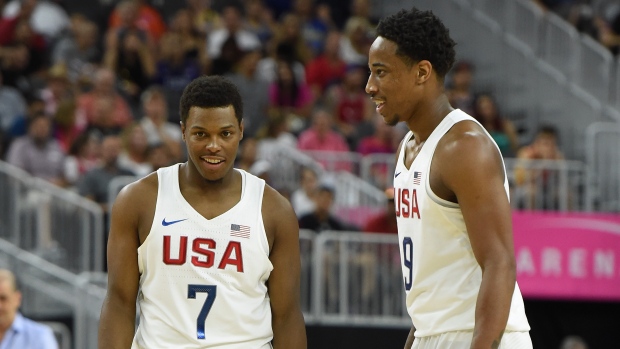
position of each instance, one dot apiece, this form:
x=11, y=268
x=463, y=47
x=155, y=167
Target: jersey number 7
x=211, y=291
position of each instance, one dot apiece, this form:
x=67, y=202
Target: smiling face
x=392, y=84
x=212, y=137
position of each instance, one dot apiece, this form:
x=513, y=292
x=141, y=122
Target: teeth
x=379, y=103
x=212, y=161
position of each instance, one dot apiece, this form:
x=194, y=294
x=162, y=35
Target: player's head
x=212, y=125
x=10, y=297
x=411, y=55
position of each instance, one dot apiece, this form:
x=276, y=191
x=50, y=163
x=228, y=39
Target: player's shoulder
x=466, y=138
x=141, y=191
x=274, y=202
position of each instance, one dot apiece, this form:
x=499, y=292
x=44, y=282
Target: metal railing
x=603, y=147
x=59, y=225
x=51, y=291
x=357, y=280
x=558, y=185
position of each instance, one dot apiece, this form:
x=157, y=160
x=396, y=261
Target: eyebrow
x=378, y=65
x=228, y=126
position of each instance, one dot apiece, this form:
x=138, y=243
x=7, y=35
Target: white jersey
x=441, y=275
x=202, y=281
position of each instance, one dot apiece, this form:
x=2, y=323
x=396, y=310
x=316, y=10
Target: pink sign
x=568, y=255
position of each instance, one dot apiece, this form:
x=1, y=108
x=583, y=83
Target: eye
x=200, y=134
x=226, y=133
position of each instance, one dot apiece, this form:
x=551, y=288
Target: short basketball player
x=210, y=252
x=451, y=197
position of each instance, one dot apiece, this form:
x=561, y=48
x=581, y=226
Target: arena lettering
x=576, y=263
x=204, y=253
x=407, y=203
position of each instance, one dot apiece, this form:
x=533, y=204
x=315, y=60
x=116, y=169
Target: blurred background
x=89, y=96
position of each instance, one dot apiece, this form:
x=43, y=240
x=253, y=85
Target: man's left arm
x=289, y=331
x=472, y=169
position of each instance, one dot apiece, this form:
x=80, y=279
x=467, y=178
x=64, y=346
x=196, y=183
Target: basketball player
x=451, y=197
x=210, y=252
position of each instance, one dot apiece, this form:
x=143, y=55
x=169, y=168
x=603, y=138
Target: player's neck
x=428, y=116
x=193, y=179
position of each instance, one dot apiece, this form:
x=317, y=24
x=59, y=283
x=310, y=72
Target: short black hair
x=420, y=35
x=212, y=91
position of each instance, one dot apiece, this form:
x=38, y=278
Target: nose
x=213, y=145
x=371, y=87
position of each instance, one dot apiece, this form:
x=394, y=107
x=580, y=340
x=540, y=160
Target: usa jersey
x=441, y=275
x=203, y=281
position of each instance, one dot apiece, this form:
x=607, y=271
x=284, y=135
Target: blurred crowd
x=83, y=102
x=598, y=18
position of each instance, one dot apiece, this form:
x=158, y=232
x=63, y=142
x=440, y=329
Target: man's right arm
x=117, y=322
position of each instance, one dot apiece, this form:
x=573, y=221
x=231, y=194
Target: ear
x=241, y=127
x=425, y=69
x=182, y=130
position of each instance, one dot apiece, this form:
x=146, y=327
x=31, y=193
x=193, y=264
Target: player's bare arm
x=127, y=230
x=289, y=331
x=470, y=172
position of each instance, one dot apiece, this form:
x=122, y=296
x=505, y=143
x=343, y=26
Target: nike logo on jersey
x=165, y=224
x=396, y=175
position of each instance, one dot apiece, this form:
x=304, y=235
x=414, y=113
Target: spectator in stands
x=129, y=55
x=175, y=69
x=158, y=156
x=78, y=50
x=254, y=92
x=267, y=69
x=259, y=20
x=302, y=199
x=356, y=41
x=12, y=106
x=23, y=50
x=315, y=22
x=247, y=154
x=320, y=136
x=66, y=125
x=134, y=156
x=94, y=184
x=290, y=32
x=34, y=106
x=204, y=18
x=48, y=18
x=608, y=29
x=156, y=125
x=38, y=153
x=381, y=141
x=84, y=155
x=289, y=96
x=384, y=222
x=232, y=21
x=350, y=104
x=275, y=135
x=321, y=218
x=142, y=16
x=16, y=331
x=328, y=68
x=190, y=42
x=58, y=88
x=460, y=91
x=103, y=107
x=534, y=182
x=502, y=130
x=573, y=342
x=229, y=54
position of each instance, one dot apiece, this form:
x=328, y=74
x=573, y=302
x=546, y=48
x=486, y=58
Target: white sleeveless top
x=441, y=275
x=202, y=281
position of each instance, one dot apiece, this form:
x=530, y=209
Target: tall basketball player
x=451, y=197
x=210, y=252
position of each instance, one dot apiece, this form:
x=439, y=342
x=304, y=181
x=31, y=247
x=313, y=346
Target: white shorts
x=462, y=340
